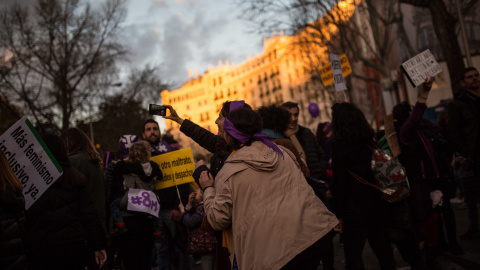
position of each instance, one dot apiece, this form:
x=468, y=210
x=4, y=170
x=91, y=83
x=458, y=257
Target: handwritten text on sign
x=338, y=79
x=141, y=200
x=326, y=71
x=30, y=160
x=420, y=67
x=177, y=168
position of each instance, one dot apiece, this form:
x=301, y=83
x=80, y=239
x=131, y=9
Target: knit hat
x=57, y=148
x=125, y=143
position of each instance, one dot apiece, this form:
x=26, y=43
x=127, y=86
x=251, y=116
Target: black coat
x=213, y=143
x=313, y=152
x=464, y=124
x=12, y=230
x=64, y=215
x=353, y=200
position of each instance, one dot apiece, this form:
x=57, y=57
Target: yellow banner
x=177, y=168
x=326, y=71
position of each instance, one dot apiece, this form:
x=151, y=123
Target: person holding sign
x=273, y=217
x=138, y=207
x=62, y=225
x=12, y=219
x=427, y=175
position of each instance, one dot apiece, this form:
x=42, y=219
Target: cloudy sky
x=179, y=35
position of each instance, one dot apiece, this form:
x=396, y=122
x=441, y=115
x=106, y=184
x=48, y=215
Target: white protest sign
x=30, y=159
x=420, y=67
x=141, y=200
x=337, y=73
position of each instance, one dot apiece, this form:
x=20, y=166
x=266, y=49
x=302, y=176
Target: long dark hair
x=76, y=141
x=70, y=177
x=349, y=124
x=401, y=112
x=246, y=121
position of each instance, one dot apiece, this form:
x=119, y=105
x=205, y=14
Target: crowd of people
x=272, y=195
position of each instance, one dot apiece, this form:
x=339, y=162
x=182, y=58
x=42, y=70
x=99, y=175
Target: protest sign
x=30, y=160
x=141, y=200
x=177, y=168
x=326, y=71
x=337, y=74
x=420, y=67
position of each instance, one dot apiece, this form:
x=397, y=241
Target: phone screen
x=155, y=109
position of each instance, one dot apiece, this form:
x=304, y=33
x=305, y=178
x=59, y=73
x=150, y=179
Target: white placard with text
x=141, y=200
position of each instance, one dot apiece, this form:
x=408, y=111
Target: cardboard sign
x=420, y=67
x=177, y=168
x=326, y=71
x=391, y=135
x=338, y=79
x=141, y=200
x=30, y=160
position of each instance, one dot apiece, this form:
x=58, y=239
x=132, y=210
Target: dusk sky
x=180, y=35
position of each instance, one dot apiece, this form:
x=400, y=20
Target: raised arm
x=203, y=137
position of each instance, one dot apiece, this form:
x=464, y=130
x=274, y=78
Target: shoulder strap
x=361, y=180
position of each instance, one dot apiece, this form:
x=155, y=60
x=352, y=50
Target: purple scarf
x=244, y=138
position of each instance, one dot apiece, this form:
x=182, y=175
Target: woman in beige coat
x=276, y=220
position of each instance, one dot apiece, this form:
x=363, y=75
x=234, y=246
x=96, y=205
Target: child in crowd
x=201, y=238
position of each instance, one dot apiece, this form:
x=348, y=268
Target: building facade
x=275, y=76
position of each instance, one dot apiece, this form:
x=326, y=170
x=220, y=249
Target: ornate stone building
x=275, y=76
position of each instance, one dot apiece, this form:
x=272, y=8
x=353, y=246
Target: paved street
x=469, y=261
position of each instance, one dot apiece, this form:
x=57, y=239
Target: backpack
x=389, y=176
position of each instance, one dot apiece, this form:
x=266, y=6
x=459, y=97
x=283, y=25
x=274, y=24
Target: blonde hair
x=8, y=180
x=139, y=153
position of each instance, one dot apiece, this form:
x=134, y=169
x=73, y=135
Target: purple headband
x=236, y=104
x=244, y=138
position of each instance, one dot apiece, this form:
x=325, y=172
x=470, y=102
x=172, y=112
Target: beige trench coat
x=271, y=212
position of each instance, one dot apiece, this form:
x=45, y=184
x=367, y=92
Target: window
x=207, y=116
x=214, y=82
x=219, y=80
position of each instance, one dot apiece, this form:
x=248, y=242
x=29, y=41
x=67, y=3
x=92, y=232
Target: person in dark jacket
x=12, y=219
x=136, y=244
x=359, y=207
x=464, y=131
x=62, y=225
x=306, y=143
x=85, y=158
x=426, y=175
x=214, y=144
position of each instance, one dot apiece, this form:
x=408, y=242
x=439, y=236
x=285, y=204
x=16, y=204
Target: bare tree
x=445, y=25
x=361, y=29
x=64, y=56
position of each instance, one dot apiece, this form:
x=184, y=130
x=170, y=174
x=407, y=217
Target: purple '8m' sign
x=141, y=200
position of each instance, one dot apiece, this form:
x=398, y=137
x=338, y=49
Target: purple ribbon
x=244, y=138
x=236, y=104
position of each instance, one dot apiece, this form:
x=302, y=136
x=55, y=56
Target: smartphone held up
x=155, y=109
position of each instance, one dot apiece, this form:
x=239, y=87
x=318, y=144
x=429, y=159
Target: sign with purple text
x=141, y=200
x=30, y=160
x=420, y=67
x=338, y=79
